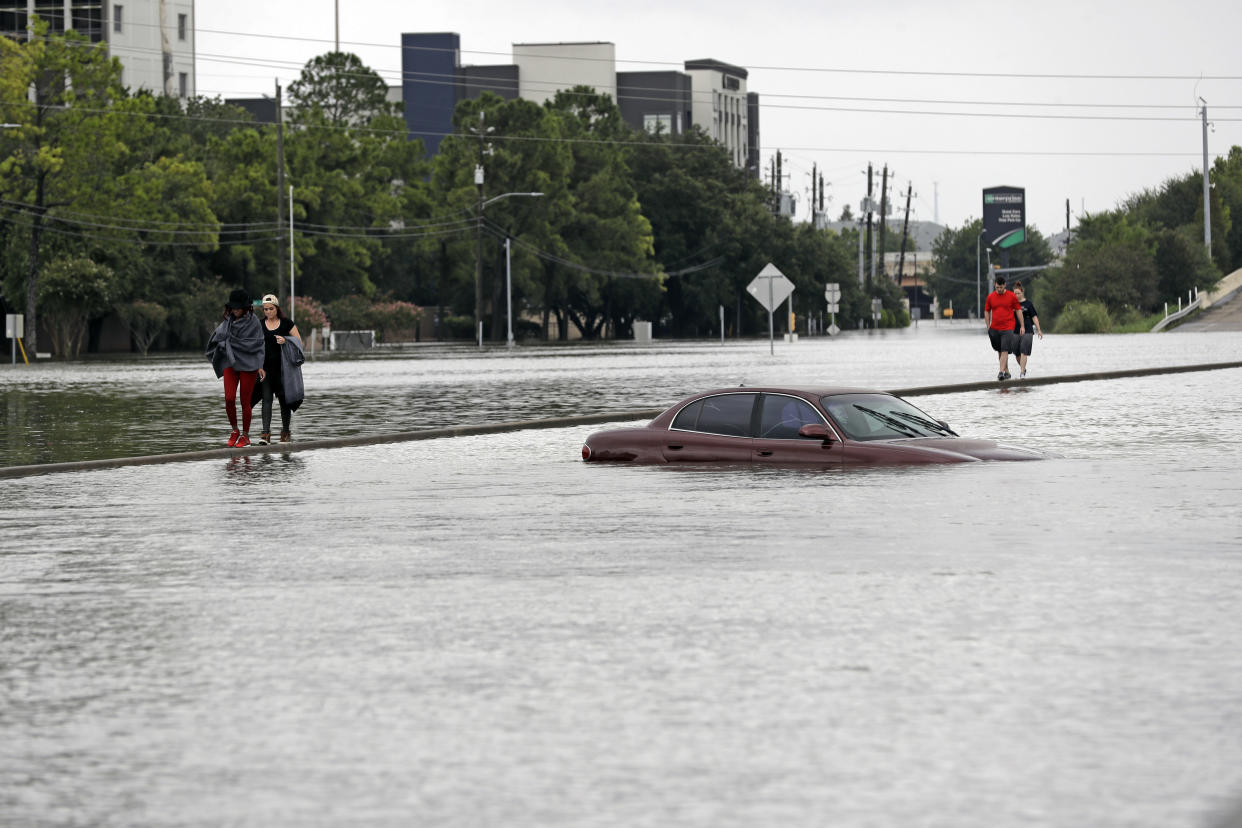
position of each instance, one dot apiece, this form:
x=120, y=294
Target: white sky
x=937, y=57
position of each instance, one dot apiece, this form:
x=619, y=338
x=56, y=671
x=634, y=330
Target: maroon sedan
x=822, y=426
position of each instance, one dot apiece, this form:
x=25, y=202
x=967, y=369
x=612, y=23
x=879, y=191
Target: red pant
x=247, y=379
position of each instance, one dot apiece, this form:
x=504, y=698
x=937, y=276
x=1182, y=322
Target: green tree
x=95, y=173
x=960, y=267
x=338, y=89
x=958, y=278
x=1227, y=186
x=60, y=89
x=72, y=292
x=1113, y=261
x=518, y=151
x=606, y=231
x=144, y=321
x=359, y=184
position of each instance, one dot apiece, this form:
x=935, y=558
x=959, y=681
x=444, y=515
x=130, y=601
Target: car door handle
x=765, y=454
x=674, y=448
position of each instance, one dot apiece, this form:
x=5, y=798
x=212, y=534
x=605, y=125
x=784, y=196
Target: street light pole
x=478, y=259
x=508, y=293
x=1207, y=199
x=478, y=283
x=478, y=232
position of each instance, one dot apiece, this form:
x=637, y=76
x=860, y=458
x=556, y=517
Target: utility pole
x=1067, y=225
x=1207, y=199
x=280, y=198
x=337, y=5
x=860, y=250
x=883, y=218
x=870, y=243
x=905, y=227
x=814, y=205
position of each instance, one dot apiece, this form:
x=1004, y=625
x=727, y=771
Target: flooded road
x=55, y=412
x=487, y=631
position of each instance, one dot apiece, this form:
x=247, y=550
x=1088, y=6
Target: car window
x=727, y=414
x=688, y=418
x=880, y=417
x=782, y=417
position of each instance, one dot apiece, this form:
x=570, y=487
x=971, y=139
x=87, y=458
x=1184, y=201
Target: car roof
x=801, y=390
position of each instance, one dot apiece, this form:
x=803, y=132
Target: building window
x=181, y=26
x=116, y=17
x=658, y=124
x=183, y=84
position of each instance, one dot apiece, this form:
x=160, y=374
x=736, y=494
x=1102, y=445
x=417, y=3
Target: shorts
x=1022, y=343
x=1000, y=339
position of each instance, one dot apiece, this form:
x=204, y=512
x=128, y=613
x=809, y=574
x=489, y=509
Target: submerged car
x=828, y=426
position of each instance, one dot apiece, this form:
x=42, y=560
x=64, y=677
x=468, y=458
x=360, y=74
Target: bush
x=396, y=321
x=458, y=327
x=899, y=318
x=1084, y=316
x=350, y=313
x=310, y=313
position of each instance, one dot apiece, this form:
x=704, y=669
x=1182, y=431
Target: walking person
x=999, y=314
x=281, y=374
x=1024, y=338
x=235, y=350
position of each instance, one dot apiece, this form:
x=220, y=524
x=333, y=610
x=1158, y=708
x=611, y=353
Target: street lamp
x=478, y=284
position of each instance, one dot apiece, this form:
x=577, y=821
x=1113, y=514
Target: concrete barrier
x=553, y=422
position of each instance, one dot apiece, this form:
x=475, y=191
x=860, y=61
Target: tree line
x=1121, y=265
x=154, y=208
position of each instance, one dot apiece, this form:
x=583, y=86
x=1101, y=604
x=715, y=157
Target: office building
x=709, y=94
x=153, y=39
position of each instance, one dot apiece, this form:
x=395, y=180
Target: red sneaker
x=233, y=438
x=243, y=441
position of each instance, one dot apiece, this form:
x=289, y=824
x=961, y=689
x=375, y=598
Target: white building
x=546, y=68
x=719, y=104
x=153, y=39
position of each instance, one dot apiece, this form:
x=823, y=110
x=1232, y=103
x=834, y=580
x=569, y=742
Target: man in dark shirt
x=1025, y=325
x=999, y=312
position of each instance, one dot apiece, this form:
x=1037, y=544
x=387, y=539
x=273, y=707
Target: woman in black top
x=1023, y=342
x=276, y=326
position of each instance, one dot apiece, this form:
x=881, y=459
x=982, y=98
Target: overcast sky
x=1087, y=101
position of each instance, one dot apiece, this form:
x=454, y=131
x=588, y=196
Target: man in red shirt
x=999, y=312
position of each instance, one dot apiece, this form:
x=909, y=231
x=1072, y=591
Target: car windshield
x=881, y=417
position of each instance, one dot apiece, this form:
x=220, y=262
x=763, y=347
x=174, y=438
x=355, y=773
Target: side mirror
x=816, y=431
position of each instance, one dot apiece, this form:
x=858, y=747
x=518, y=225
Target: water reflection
x=263, y=469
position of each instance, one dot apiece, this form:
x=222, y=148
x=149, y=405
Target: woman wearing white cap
x=279, y=334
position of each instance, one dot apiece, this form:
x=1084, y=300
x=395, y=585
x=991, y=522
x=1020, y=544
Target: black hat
x=239, y=299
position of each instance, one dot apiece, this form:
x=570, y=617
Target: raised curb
x=554, y=422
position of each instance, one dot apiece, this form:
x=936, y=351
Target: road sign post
x=770, y=288
x=832, y=293
x=14, y=325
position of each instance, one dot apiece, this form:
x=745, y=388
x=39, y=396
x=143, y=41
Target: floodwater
x=487, y=631
x=56, y=412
